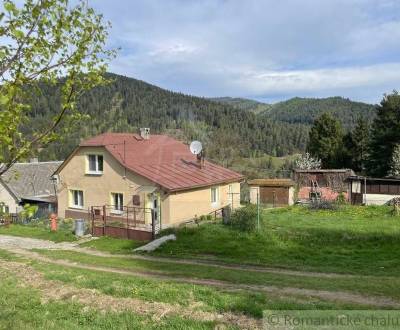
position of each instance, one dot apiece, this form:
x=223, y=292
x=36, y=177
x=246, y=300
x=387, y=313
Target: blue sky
x=266, y=50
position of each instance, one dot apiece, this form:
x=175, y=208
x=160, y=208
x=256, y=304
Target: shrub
x=202, y=218
x=323, y=205
x=245, y=218
x=341, y=198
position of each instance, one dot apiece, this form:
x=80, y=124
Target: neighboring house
x=29, y=183
x=272, y=192
x=372, y=191
x=143, y=172
x=328, y=182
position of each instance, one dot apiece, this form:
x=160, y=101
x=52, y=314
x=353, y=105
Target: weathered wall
x=326, y=193
x=254, y=192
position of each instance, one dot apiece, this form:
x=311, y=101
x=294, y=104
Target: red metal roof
x=162, y=160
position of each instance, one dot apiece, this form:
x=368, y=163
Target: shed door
x=274, y=196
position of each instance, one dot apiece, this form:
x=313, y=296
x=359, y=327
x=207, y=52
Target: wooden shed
x=372, y=191
x=272, y=192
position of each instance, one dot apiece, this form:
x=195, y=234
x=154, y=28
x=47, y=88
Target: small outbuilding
x=372, y=191
x=272, y=192
x=29, y=183
x=328, y=183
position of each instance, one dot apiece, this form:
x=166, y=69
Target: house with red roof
x=135, y=173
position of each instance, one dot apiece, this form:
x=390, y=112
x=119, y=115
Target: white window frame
x=215, y=202
x=119, y=207
x=80, y=198
x=97, y=171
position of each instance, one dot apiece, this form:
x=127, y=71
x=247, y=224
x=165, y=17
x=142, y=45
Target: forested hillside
x=244, y=104
x=228, y=130
x=126, y=104
x=306, y=110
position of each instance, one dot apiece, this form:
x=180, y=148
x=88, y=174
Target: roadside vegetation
x=39, y=230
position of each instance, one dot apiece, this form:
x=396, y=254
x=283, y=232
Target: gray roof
x=27, y=180
x=333, y=170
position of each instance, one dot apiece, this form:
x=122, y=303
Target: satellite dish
x=196, y=147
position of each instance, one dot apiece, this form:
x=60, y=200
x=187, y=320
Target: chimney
x=145, y=133
x=34, y=160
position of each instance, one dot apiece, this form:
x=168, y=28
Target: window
x=77, y=198
x=95, y=164
x=117, y=201
x=4, y=209
x=214, y=195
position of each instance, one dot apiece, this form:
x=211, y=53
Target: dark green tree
x=326, y=141
x=356, y=146
x=385, y=135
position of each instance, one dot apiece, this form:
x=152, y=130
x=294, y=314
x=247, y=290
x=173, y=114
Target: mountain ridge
x=228, y=131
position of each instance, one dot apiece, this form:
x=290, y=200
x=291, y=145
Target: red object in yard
x=53, y=222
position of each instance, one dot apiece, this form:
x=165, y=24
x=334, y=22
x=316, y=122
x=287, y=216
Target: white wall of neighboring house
x=254, y=194
x=8, y=199
x=378, y=199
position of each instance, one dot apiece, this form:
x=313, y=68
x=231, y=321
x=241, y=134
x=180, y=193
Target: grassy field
x=113, y=245
x=23, y=309
x=358, y=240
x=369, y=285
x=30, y=311
x=30, y=308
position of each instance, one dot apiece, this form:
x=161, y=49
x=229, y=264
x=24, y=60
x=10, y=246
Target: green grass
x=39, y=231
x=154, y=290
x=21, y=308
x=357, y=240
x=369, y=285
x=113, y=245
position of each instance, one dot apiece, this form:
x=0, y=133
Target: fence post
x=127, y=222
x=92, y=215
x=153, y=224
x=104, y=220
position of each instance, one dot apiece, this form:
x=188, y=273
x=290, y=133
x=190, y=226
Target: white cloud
x=321, y=79
x=259, y=48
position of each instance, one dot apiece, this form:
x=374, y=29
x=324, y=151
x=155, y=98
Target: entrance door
x=155, y=207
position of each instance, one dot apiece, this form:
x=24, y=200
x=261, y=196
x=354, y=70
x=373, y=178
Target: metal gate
x=128, y=222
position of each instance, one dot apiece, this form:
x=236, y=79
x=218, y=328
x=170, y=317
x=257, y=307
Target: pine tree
x=356, y=146
x=385, y=135
x=326, y=140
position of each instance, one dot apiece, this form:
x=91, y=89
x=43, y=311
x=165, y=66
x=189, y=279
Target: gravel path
x=7, y=242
